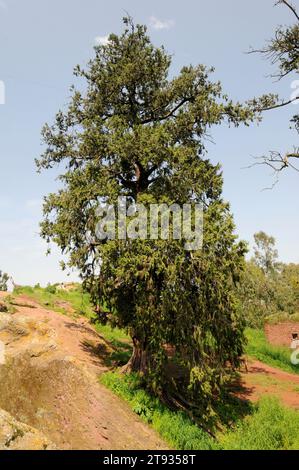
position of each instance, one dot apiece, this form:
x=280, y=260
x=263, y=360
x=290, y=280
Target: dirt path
x=262, y=380
x=51, y=382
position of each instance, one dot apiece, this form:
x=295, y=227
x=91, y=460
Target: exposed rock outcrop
x=50, y=387
x=18, y=436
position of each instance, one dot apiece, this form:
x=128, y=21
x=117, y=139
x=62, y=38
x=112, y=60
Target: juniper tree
x=137, y=132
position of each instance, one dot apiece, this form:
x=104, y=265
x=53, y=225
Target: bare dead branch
x=290, y=6
x=277, y=162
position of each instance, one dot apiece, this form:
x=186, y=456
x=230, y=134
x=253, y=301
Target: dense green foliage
x=268, y=290
x=265, y=253
x=137, y=133
x=268, y=297
x=175, y=427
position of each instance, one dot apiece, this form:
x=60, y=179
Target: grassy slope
x=259, y=348
x=53, y=298
x=50, y=297
x=267, y=425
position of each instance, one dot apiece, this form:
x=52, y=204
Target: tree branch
x=171, y=113
x=279, y=105
x=291, y=7
x=277, y=162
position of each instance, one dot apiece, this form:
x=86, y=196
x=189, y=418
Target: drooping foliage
x=138, y=133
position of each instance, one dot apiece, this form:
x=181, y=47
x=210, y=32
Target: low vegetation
x=58, y=299
x=271, y=426
x=267, y=425
x=259, y=348
x=175, y=427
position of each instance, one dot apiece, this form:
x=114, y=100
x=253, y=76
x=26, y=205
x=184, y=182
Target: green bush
x=51, y=289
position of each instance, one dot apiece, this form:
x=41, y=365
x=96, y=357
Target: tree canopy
x=265, y=253
x=268, y=290
x=139, y=133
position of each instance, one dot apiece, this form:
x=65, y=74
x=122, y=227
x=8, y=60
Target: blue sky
x=40, y=43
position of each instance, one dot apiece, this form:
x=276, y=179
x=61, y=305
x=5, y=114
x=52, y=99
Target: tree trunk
x=140, y=359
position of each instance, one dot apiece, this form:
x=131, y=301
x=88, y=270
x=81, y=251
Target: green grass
x=268, y=426
x=271, y=427
x=259, y=348
x=115, y=336
x=174, y=427
x=50, y=297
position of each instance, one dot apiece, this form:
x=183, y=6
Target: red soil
x=261, y=380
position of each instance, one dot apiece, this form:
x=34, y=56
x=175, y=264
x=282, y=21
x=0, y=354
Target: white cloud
x=101, y=40
x=155, y=23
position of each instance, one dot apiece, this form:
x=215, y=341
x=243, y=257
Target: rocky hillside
x=50, y=392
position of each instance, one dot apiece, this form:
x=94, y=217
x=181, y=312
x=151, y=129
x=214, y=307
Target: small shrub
x=51, y=289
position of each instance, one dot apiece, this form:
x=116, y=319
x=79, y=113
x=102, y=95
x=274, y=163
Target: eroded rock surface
x=50, y=387
x=18, y=436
